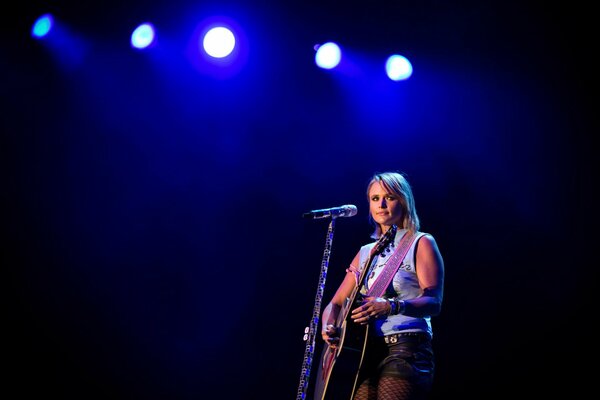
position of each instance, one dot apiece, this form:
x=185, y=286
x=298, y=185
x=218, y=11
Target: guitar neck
x=363, y=273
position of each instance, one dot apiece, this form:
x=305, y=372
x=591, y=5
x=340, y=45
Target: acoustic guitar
x=338, y=370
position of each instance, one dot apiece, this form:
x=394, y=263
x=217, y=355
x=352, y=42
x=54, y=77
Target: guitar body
x=338, y=370
x=337, y=375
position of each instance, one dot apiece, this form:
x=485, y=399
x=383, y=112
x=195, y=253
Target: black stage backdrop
x=153, y=241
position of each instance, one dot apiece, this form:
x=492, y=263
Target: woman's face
x=385, y=207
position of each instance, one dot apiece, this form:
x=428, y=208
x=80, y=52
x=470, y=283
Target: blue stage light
x=42, y=26
x=143, y=36
x=398, y=68
x=328, y=55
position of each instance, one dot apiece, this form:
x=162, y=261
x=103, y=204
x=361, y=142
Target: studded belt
x=396, y=337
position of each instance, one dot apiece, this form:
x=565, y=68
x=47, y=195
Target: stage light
x=143, y=36
x=218, y=42
x=67, y=47
x=218, y=47
x=328, y=55
x=398, y=68
x=42, y=26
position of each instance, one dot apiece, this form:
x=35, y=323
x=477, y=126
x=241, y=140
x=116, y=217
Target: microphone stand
x=311, y=330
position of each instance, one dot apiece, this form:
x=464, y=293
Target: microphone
x=347, y=210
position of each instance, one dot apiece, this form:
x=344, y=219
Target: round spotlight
x=42, y=26
x=143, y=36
x=398, y=68
x=218, y=42
x=328, y=55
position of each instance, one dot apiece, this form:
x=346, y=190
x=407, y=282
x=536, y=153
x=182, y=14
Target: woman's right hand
x=331, y=335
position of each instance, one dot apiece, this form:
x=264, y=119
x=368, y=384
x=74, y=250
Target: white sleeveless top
x=404, y=286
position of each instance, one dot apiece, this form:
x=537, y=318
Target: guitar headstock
x=385, y=240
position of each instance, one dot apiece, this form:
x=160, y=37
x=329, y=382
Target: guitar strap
x=385, y=277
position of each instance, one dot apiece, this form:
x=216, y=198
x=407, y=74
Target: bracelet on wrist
x=393, y=307
x=397, y=303
x=401, y=307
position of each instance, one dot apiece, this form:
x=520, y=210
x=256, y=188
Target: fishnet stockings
x=388, y=388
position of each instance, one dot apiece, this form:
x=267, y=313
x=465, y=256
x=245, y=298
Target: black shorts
x=408, y=356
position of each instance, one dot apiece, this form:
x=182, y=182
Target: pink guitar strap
x=385, y=277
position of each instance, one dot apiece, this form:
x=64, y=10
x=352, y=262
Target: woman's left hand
x=371, y=308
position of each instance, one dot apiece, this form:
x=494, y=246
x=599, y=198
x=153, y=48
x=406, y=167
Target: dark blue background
x=154, y=246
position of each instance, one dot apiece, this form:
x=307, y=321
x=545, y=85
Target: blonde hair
x=396, y=183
